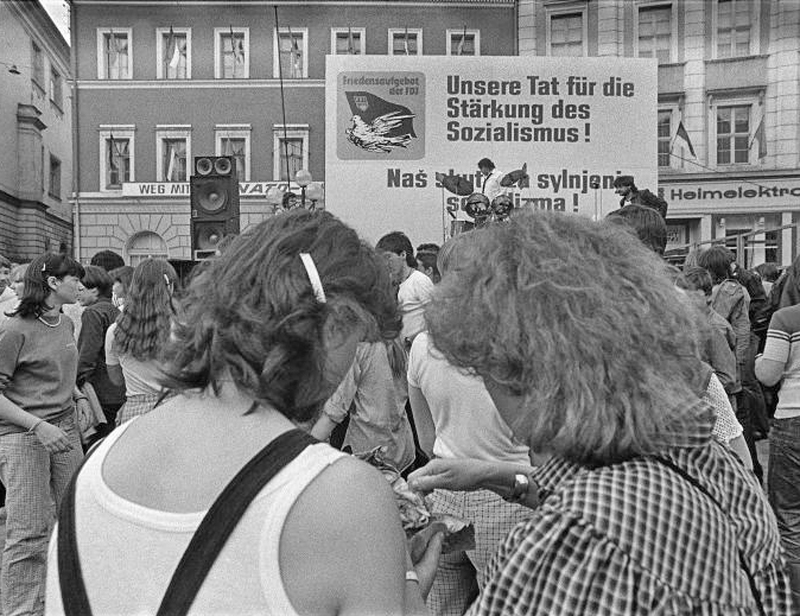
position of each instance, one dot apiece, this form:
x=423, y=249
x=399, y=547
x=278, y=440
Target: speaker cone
x=222, y=166
x=208, y=237
x=203, y=166
x=212, y=197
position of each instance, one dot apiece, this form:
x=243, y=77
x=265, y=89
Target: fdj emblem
x=361, y=102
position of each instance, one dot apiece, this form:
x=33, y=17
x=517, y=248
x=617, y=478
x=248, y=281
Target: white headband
x=313, y=277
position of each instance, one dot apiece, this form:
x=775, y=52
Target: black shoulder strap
x=223, y=516
x=207, y=542
x=70, y=578
x=742, y=562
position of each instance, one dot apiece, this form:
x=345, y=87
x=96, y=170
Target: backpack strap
x=207, y=542
x=223, y=516
x=70, y=578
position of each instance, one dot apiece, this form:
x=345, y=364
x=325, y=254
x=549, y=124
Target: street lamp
x=303, y=179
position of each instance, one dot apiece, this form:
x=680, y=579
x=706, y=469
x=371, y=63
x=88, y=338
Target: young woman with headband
x=40, y=447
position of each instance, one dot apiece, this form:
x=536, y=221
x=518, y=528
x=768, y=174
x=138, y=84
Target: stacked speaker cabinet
x=215, y=203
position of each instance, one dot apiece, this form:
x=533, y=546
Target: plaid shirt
x=639, y=538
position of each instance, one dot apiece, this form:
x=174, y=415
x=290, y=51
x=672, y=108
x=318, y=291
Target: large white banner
x=394, y=122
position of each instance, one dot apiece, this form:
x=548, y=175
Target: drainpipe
x=516, y=27
x=76, y=165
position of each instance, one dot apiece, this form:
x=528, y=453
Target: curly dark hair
x=583, y=322
x=253, y=315
x=143, y=328
x=398, y=242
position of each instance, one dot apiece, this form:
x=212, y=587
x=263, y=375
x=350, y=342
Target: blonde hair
x=581, y=320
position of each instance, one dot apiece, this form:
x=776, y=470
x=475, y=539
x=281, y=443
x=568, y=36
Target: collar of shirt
x=692, y=431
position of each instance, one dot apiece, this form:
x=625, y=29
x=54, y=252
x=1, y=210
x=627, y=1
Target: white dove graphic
x=374, y=137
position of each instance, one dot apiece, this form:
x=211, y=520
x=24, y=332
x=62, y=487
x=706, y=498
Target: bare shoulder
x=343, y=532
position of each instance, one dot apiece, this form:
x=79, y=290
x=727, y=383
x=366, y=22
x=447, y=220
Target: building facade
x=36, y=126
x=729, y=77
x=158, y=83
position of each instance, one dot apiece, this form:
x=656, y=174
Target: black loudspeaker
x=214, y=200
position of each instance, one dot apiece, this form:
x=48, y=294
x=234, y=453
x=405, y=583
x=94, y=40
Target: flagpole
x=283, y=98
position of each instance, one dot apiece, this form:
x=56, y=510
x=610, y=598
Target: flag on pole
x=351, y=48
x=297, y=64
x=683, y=137
x=405, y=43
x=173, y=50
x=173, y=156
x=761, y=136
x=236, y=48
x=112, y=165
x=460, y=50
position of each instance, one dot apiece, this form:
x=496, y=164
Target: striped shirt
x=639, y=538
x=783, y=347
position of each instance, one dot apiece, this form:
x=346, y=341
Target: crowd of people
x=590, y=410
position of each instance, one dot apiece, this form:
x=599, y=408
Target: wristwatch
x=520, y=490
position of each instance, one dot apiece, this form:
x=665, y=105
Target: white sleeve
x=112, y=359
x=726, y=427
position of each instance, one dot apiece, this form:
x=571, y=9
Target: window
x=405, y=42
x=733, y=134
x=173, y=53
x=664, y=137
x=114, y=53
x=234, y=140
x=116, y=156
x=463, y=42
x=173, y=151
x=56, y=94
x=232, y=53
x=348, y=41
x=146, y=245
x=55, y=177
x=736, y=27
x=37, y=62
x=655, y=36
x=566, y=34
x=291, y=53
x=290, y=150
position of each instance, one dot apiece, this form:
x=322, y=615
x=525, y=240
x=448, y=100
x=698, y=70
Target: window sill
x=752, y=56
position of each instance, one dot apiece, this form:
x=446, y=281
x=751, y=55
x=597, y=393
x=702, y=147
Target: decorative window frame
x=218, y=32
x=755, y=29
x=362, y=33
x=551, y=11
x=235, y=131
x=451, y=31
x=755, y=101
x=101, y=55
x=275, y=48
x=293, y=131
x=160, y=33
x=124, y=131
x=172, y=131
x=648, y=4
x=38, y=66
x=415, y=31
x=56, y=88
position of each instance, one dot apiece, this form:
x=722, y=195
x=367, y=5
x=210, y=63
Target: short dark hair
x=397, y=242
x=253, y=316
x=434, y=248
x=717, y=260
x=646, y=222
x=107, y=259
x=485, y=162
x=624, y=180
x=768, y=271
x=95, y=277
x=36, y=290
x=122, y=275
x=697, y=279
x=427, y=260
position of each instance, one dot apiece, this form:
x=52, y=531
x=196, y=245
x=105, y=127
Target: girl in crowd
x=135, y=342
x=589, y=357
x=270, y=329
x=40, y=447
x=373, y=393
x=98, y=315
x=456, y=418
x=426, y=263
